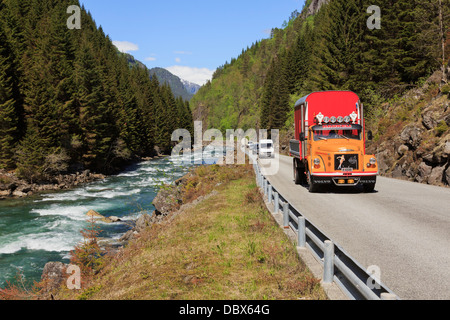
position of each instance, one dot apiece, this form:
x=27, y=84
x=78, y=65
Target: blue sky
x=189, y=38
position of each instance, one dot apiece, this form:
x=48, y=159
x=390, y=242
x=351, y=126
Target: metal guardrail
x=337, y=265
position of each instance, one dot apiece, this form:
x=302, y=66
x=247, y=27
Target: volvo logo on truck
x=329, y=145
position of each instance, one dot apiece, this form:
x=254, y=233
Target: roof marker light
x=340, y=119
x=326, y=120
x=347, y=119
x=333, y=119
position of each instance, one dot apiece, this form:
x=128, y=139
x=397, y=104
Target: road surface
x=402, y=227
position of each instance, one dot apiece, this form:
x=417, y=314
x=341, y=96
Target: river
x=46, y=227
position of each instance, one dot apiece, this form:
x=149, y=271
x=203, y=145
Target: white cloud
x=125, y=46
x=196, y=75
x=150, y=59
x=177, y=60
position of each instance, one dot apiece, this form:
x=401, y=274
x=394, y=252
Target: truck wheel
x=312, y=187
x=297, y=174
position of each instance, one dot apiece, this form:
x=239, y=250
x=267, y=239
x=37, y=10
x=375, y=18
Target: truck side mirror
x=302, y=136
x=369, y=136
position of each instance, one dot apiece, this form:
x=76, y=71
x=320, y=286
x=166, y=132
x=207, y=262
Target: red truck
x=329, y=146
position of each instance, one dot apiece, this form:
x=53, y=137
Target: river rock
x=96, y=215
x=19, y=194
x=167, y=200
x=5, y=193
x=142, y=222
x=53, y=275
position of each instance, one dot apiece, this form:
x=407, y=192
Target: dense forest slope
x=69, y=101
x=331, y=45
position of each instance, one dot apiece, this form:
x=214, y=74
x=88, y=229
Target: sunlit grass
x=227, y=247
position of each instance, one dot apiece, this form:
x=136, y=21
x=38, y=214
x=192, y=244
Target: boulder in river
x=96, y=215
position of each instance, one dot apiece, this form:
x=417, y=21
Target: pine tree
x=8, y=114
x=30, y=156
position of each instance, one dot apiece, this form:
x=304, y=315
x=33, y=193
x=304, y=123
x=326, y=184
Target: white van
x=266, y=149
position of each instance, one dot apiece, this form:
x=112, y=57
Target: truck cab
x=329, y=148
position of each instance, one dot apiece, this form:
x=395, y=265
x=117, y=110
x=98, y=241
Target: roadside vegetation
x=226, y=247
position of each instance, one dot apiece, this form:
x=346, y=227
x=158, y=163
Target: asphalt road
x=402, y=227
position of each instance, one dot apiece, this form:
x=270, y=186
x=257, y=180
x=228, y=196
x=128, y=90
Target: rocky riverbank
x=171, y=201
x=13, y=187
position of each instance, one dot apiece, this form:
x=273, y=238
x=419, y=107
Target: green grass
x=227, y=247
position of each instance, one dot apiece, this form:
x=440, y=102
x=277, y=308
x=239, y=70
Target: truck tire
x=312, y=187
x=297, y=175
x=299, y=172
x=369, y=187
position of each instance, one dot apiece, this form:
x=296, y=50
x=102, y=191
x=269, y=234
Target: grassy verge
x=226, y=247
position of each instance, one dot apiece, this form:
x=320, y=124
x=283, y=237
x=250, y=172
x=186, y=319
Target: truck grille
x=346, y=162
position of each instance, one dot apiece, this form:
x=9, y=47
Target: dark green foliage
x=332, y=50
x=70, y=100
x=8, y=111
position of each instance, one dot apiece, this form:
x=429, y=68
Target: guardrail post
x=270, y=193
x=286, y=215
x=276, y=202
x=301, y=240
x=258, y=179
x=328, y=262
x=265, y=187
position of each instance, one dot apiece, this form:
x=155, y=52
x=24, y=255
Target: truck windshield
x=343, y=132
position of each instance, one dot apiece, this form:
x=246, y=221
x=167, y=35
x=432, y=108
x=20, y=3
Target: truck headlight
x=316, y=163
x=372, y=163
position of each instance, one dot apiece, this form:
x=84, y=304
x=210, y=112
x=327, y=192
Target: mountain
x=180, y=88
x=190, y=87
x=176, y=84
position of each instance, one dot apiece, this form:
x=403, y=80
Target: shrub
x=445, y=89
x=88, y=255
x=441, y=128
